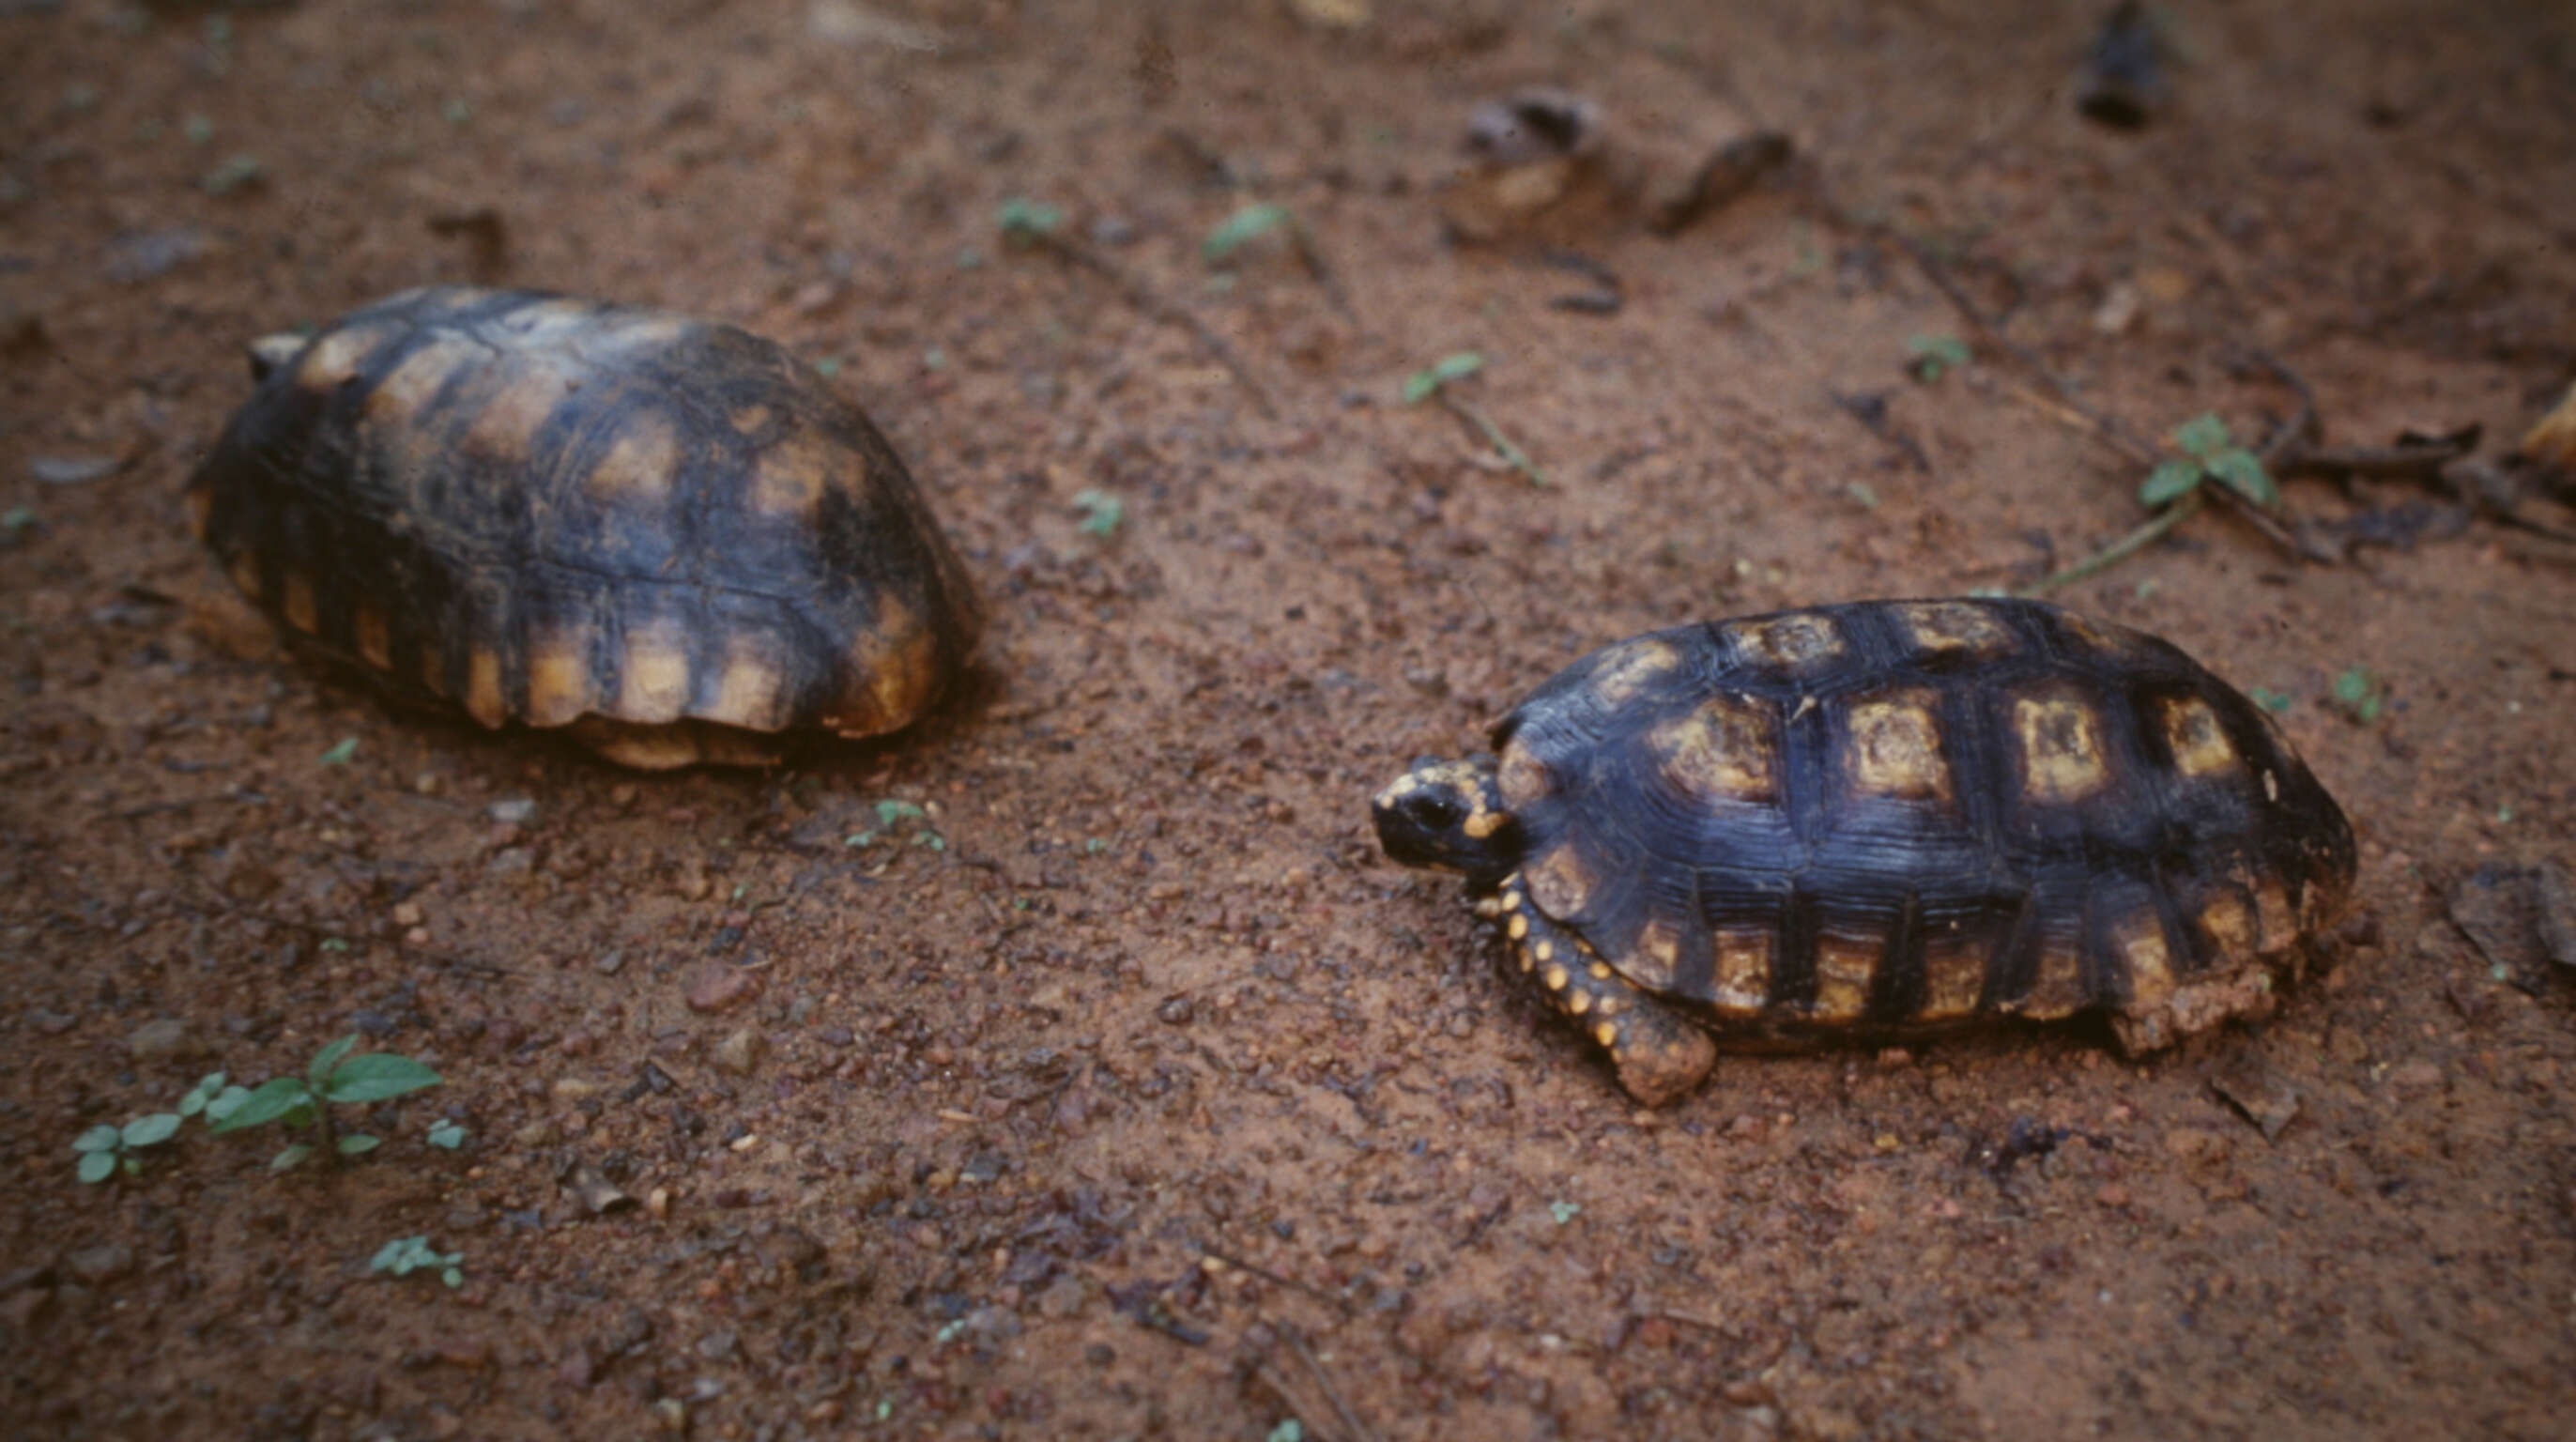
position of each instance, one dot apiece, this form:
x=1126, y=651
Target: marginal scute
x=748, y=689
x=653, y=675
x=1741, y=984
x=301, y=611
x=2058, y=989
x=1845, y=970
x=2140, y=940
x=1954, y=977
x=483, y=688
x=1725, y=749
x=558, y=675
x=2061, y=748
x=375, y=642
x=2228, y=927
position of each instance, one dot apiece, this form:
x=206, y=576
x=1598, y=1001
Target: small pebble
x=162, y=1037
x=516, y=811
x=720, y=987
x=97, y=1266
x=740, y=1052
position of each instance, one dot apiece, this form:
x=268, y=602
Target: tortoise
x=667, y=536
x=1882, y=819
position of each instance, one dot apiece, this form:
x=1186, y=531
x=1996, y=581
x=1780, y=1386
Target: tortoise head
x=1449, y=815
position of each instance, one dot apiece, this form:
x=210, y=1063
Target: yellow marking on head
x=1483, y=823
x=506, y=428
x=1522, y=777
x=1895, y=749
x=1526, y=963
x=2200, y=744
x=1556, y=978
x=1600, y=970
x=1579, y=1003
x=2058, y=990
x=2061, y=748
x=245, y=573
x=640, y=463
x=1625, y=669
x=1546, y=950
x=1606, y=1033
x=2139, y=938
x=1512, y=899
x=1722, y=751
x=1656, y=955
x=2229, y=926
x=416, y=382
x=1559, y=881
x=483, y=688
x=301, y=612
x=748, y=693
x=1954, y=977
x=750, y=419
x=1960, y=626
x=1792, y=640
x=790, y=477
x=334, y=359
x=1845, y=971
x=1742, y=980
x=375, y=642
x=653, y=675
x=558, y=675
x=1518, y=926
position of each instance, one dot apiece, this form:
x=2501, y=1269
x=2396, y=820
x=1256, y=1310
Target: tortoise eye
x=1437, y=813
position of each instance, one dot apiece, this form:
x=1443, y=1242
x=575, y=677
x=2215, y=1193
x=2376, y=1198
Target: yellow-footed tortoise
x=666, y=535
x=1883, y=818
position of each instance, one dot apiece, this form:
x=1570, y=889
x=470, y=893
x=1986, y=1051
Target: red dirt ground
x=1154, y=1102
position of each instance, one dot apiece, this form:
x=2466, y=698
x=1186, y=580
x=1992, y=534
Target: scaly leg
x=1659, y=1055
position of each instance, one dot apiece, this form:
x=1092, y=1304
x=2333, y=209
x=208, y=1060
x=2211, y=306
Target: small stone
x=610, y=964
x=2113, y=1196
x=718, y=1346
x=1175, y=1012
x=720, y=987
x=52, y=1023
x=407, y=914
x=516, y=811
x=740, y=1052
x=1063, y=1298
x=2194, y=1144
x=162, y=1037
x=671, y=1415
x=576, y=1089
x=2416, y=1075
x=535, y=1134
x=100, y=1265
x=658, y=1202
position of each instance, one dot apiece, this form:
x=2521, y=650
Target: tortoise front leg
x=1659, y=1055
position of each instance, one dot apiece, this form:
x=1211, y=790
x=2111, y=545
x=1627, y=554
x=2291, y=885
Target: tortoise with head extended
x=666, y=535
x=1884, y=818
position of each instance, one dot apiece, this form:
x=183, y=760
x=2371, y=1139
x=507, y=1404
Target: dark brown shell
x=1892, y=815
x=665, y=533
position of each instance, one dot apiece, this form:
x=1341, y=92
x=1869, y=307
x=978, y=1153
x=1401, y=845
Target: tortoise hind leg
x=1660, y=1057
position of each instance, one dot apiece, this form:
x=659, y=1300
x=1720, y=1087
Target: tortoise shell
x=1882, y=818
x=665, y=534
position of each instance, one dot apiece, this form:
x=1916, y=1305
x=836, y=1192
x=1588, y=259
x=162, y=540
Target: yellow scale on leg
x=1659, y=1054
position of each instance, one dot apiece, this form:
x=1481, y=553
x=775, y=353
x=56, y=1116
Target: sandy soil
x=1151, y=1101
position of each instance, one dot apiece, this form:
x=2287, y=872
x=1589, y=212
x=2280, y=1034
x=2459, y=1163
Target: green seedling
x=405, y=1255
x=447, y=1136
x=1432, y=383
x=2360, y=695
x=890, y=812
x=106, y=1149
x=2270, y=700
x=1935, y=354
x=1102, y=513
x=1244, y=227
x=1024, y=219
x=2209, y=452
x=334, y=1079
x=1564, y=1212
x=238, y=172
x=340, y=754
x=213, y=1097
